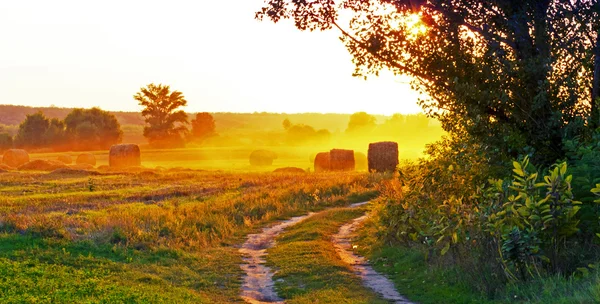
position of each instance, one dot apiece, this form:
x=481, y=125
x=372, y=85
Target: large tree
x=165, y=123
x=203, y=126
x=32, y=130
x=518, y=76
x=92, y=129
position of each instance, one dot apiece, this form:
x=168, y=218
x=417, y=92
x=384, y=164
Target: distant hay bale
x=383, y=156
x=322, y=163
x=65, y=159
x=86, y=158
x=42, y=165
x=289, y=170
x=360, y=159
x=124, y=156
x=262, y=158
x=342, y=160
x=15, y=158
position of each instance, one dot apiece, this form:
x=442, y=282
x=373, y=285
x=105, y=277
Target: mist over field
x=238, y=134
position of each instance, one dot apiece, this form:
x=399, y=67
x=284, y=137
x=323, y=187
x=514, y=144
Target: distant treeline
x=56, y=131
x=11, y=115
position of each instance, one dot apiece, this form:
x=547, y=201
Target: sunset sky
x=83, y=54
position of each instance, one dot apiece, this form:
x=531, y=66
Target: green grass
x=308, y=270
x=164, y=237
x=35, y=270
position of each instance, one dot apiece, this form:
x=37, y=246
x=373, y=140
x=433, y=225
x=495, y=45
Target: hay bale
x=342, y=160
x=86, y=158
x=42, y=165
x=289, y=170
x=15, y=157
x=262, y=158
x=65, y=159
x=322, y=163
x=361, y=161
x=383, y=156
x=124, y=155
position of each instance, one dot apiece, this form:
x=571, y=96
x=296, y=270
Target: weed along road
x=258, y=285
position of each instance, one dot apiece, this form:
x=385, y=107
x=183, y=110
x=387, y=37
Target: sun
x=414, y=25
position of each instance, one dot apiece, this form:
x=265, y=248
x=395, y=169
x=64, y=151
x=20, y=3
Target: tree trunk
x=596, y=84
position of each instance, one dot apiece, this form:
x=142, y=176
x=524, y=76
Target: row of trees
x=95, y=129
x=363, y=125
x=82, y=129
x=166, y=122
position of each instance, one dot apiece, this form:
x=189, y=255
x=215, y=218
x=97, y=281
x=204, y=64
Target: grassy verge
x=308, y=268
x=426, y=283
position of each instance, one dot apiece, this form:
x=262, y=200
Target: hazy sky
x=73, y=53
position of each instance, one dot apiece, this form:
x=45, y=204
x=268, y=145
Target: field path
x=258, y=285
x=373, y=280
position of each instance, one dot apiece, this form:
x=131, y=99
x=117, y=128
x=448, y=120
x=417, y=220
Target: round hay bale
x=383, y=156
x=65, y=159
x=322, y=163
x=289, y=170
x=15, y=157
x=262, y=158
x=361, y=162
x=124, y=155
x=86, y=158
x=42, y=165
x=342, y=160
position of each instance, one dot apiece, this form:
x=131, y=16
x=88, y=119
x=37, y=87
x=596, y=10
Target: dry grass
x=152, y=209
x=150, y=236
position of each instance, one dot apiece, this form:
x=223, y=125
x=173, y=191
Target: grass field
x=151, y=236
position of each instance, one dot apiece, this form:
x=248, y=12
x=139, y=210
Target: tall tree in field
x=165, y=123
x=203, y=126
x=517, y=76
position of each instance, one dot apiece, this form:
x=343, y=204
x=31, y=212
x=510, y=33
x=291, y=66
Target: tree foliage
x=298, y=134
x=518, y=76
x=31, y=131
x=165, y=124
x=92, y=129
x=361, y=122
x=6, y=141
x=203, y=126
